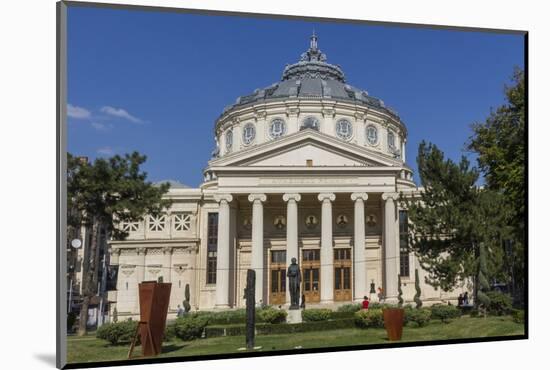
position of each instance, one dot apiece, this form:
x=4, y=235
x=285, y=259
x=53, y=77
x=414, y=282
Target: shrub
x=335, y=315
x=419, y=316
x=445, y=313
x=271, y=316
x=474, y=312
x=305, y=327
x=170, y=332
x=400, y=292
x=500, y=303
x=371, y=318
x=189, y=328
x=119, y=332
x=518, y=316
x=350, y=307
x=379, y=306
x=316, y=314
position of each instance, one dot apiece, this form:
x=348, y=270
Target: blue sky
x=156, y=82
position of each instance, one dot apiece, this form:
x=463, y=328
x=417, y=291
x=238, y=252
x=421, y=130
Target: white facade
x=308, y=168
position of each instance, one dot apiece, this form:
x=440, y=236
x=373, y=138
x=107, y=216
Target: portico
x=326, y=232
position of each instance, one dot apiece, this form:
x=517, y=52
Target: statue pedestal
x=294, y=316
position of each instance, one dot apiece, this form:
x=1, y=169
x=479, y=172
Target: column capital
x=359, y=196
x=392, y=196
x=294, y=196
x=257, y=196
x=326, y=196
x=223, y=197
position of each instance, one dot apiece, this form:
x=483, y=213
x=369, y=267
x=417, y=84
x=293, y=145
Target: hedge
x=117, y=333
x=369, y=318
x=316, y=314
x=265, y=329
x=350, y=307
x=444, y=312
x=418, y=316
x=191, y=327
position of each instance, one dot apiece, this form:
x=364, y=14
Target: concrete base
x=294, y=316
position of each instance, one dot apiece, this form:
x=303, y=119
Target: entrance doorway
x=311, y=264
x=278, y=277
x=342, y=274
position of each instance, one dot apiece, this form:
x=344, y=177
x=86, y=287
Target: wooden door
x=342, y=274
x=277, y=294
x=311, y=275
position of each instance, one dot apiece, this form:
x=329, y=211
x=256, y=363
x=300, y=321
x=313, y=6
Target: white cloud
x=120, y=113
x=78, y=112
x=106, y=150
x=101, y=126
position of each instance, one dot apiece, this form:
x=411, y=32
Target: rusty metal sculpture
x=153, y=308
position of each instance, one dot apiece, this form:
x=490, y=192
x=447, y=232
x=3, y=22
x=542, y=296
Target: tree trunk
x=88, y=280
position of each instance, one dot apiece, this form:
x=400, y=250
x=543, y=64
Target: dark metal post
x=250, y=308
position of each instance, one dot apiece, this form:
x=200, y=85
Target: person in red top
x=365, y=303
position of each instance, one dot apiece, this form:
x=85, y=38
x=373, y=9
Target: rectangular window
x=403, y=243
x=212, y=248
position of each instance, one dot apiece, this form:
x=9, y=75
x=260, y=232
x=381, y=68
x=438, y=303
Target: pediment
x=298, y=149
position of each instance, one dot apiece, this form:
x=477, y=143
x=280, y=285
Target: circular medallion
x=342, y=221
x=311, y=222
x=371, y=220
x=372, y=135
x=344, y=129
x=277, y=128
x=279, y=222
x=249, y=133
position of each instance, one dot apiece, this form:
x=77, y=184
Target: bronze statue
x=294, y=280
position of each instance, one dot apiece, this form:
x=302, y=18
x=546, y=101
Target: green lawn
x=88, y=348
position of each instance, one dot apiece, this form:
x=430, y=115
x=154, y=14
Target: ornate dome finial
x=313, y=41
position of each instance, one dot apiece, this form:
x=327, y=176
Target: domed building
x=310, y=168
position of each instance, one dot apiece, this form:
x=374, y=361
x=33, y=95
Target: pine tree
x=417, y=299
x=449, y=219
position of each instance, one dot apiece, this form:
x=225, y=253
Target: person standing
x=465, y=299
x=179, y=312
x=380, y=294
x=365, y=304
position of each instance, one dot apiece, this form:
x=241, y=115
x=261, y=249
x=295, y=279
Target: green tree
x=499, y=143
x=100, y=196
x=451, y=218
x=481, y=299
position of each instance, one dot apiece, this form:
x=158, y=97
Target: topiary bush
x=117, y=332
x=191, y=327
x=186, y=304
x=418, y=316
x=399, y=292
x=316, y=314
x=416, y=298
x=271, y=316
x=350, y=307
x=500, y=303
x=445, y=313
x=371, y=318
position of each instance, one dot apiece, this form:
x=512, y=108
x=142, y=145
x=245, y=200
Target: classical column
x=291, y=231
x=391, y=260
x=140, y=271
x=222, y=263
x=327, y=252
x=167, y=270
x=257, y=259
x=359, y=257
